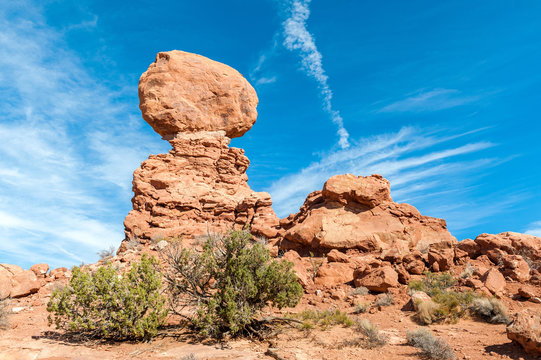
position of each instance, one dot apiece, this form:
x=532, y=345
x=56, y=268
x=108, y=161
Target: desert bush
x=432, y=283
x=228, y=283
x=431, y=346
x=384, y=300
x=491, y=310
x=447, y=304
x=4, y=313
x=110, y=305
x=190, y=356
x=107, y=253
x=373, y=336
x=323, y=319
x=363, y=307
x=361, y=290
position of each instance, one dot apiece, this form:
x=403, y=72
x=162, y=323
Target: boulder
x=441, y=260
x=525, y=329
x=356, y=212
x=16, y=282
x=337, y=256
x=516, y=268
x=414, y=263
x=304, y=277
x=184, y=92
x=40, y=269
x=378, y=279
x=494, y=281
x=333, y=273
x=469, y=246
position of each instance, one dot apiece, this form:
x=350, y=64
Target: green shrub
x=323, y=319
x=109, y=305
x=432, y=283
x=4, y=320
x=447, y=304
x=432, y=347
x=491, y=310
x=228, y=283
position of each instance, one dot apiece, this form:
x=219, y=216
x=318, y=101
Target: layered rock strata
x=356, y=212
x=197, y=105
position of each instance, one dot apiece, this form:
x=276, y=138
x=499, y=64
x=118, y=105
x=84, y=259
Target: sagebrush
x=227, y=283
x=323, y=318
x=491, y=310
x=431, y=346
x=110, y=305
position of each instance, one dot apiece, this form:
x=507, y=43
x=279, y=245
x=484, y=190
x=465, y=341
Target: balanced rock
x=184, y=92
x=358, y=212
x=200, y=186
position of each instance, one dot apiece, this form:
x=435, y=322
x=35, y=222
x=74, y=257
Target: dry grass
x=361, y=290
x=323, y=319
x=362, y=307
x=491, y=310
x=431, y=346
x=384, y=300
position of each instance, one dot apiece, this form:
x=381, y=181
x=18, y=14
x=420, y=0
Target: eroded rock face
x=525, y=329
x=201, y=185
x=184, y=92
x=358, y=212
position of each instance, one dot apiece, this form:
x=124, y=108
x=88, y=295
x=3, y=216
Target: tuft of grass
x=107, y=253
x=426, y=312
x=491, y=310
x=468, y=271
x=431, y=346
x=323, y=319
x=190, y=356
x=384, y=300
x=4, y=314
x=361, y=290
x=373, y=336
x=362, y=307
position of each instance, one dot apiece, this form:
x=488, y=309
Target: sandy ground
x=29, y=337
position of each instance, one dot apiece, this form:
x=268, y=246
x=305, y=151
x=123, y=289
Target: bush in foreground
x=228, y=283
x=431, y=346
x=110, y=305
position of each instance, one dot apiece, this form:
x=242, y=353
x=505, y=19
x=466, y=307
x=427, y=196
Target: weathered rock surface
x=525, y=329
x=184, y=92
x=358, y=212
x=16, y=282
x=201, y=185
x=378, y=279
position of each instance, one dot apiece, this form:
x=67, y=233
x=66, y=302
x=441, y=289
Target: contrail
x=298, y=38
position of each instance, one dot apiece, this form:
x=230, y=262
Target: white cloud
x=437, y=99
x=534, y=229
x=68, y=147
x=298, y=38
x=411, y=159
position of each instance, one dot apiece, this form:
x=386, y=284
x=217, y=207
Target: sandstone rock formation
x=525, y=329
x=201, y=185
x=358, y=212
x=16, y=282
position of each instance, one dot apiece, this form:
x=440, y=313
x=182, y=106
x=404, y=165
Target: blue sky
x=442, y=98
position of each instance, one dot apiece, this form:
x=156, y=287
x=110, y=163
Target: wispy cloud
x=420, y=165
x=433, y=100
x=534, y=229
x=63, y=171
x=298, y=38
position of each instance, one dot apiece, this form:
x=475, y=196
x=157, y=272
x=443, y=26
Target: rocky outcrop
x=358, y=213
x=16, y=282
x=525, y=329
x=201, y=185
